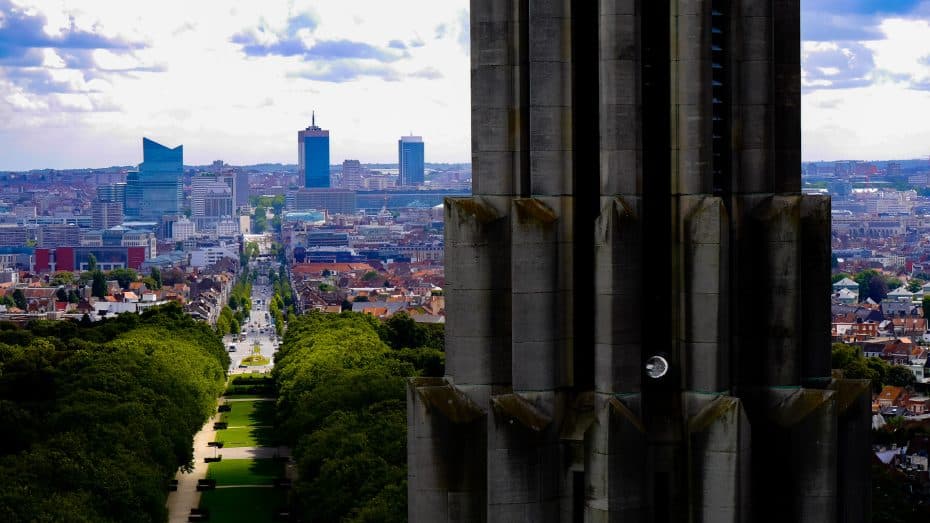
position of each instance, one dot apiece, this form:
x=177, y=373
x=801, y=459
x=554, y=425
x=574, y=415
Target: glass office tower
x=313, y=155
x=410, y=160
x=160, y=176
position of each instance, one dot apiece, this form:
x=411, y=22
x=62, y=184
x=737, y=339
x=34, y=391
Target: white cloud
x=880, y=108
x=190, y=84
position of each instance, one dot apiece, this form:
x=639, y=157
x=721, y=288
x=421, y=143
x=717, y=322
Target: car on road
x=232, y=347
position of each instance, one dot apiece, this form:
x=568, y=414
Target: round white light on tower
x=656, y=367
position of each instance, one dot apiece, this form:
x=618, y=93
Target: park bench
x=199, y=514
x=205, y=484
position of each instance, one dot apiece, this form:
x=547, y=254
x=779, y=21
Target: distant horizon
x=294, y=165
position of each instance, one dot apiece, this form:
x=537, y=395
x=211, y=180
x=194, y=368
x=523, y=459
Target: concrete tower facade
x=638, y=317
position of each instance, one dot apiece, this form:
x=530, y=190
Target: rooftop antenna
x=313, y=118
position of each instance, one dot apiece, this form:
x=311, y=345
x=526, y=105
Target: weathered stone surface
x=573, y=265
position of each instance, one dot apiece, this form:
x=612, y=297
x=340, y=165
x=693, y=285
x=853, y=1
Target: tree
x=61, y=294
x=156, y=277
x=878, y=289
x=19, y=298
x=123, y=276
x=893, y=283
x=62, y=278
x=8, y=301
x=370, y=275
x=914, y=285
x=839, y=276
x=900, y=376
x=99, y=284
x=91, y=262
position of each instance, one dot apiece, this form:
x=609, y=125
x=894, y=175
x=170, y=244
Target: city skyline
x=233, y=83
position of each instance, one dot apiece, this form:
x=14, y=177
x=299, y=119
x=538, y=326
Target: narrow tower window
x=720, y=87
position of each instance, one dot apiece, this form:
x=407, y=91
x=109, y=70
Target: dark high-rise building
x=410, y=160
x=132, y=195
x=313, y=156
x=242, y=188
x=159, y=180
x=638, y=315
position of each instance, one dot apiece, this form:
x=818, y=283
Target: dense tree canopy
x=97, y=417
x=341, y=406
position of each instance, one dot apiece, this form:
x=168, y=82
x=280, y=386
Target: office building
x=15, y=235
x=156, y=190
x=112, y=192
x=212, y=199
x=333, y=201
x=182, y=230
x=352, y=175
x=242, y=189
x=78, y=258
x=58, y=235
x=609, y=354
x=106, y=214
x=313, y=156
x=410, y=160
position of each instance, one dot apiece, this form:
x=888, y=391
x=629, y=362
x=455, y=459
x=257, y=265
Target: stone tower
x=638, y=317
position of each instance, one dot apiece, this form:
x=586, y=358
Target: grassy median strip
x=243, y=505
x=245, y=471
x=250, y=413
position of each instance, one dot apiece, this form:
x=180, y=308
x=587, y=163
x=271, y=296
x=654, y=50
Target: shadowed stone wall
x=637, y=195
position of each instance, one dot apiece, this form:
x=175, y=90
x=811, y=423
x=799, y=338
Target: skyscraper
x=242, y=188
x=160, y=180
x=313, y=155
x=638, y=315
x=410, y=160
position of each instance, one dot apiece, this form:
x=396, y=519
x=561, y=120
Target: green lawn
x=246, y=437
x=250, y=413
x=245, y=471
x=242, y=505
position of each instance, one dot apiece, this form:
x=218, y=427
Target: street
x=259, y=329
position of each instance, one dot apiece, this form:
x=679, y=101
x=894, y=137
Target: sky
x=82, y=82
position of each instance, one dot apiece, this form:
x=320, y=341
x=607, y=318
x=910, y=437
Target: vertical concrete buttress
x=637, y=291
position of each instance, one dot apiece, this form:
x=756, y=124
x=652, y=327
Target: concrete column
x=768, y=313
x=854, y=450
x=815, y=284
x=619, y=291
x=616, y=467
x=691, y=108
x=704, y=299
x=719, y=445
x=752, y=96
x=537, y=303
x=524, y=468
x=798, y=451
x=620, y=117
x=478, y=298
x=446, y=451
x=550, y=135
x=495, y=72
